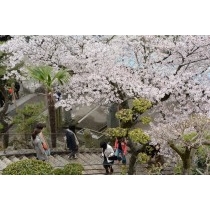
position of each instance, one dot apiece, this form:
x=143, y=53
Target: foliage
x=146, y=120
x=73, y=169
x=38, y=167
x=124, y=170
x=201, y=157
x=28, y=167
x=116, y=132
x=154, y=170
x=141, y=105
x=178, y=168
x=69, y=169
x=28, y=116
x=138, y=136
x=47, y=76
x=125, y=115
x=189, y=136
x=58, y=171
x=143, y=157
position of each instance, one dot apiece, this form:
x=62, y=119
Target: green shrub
x=143, y=157
x=73, y=169
x=116, y=132
x=137, y=135
x=38, y=167
x=146, y=120
x=69, y=169
x=58, y=171
x=140, y=105
x=125, y=115
x=28, y=167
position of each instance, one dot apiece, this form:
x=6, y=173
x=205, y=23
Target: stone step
x=6, y=160
x=91, y=161
x=78, y=161
x=14, y=159
x=2, y=165
x=81, y=160
x=54, y=162
x=96, y=164
x=23, y=158
x=61, y=159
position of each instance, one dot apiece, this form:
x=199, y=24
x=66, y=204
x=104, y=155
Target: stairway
x=91, y=161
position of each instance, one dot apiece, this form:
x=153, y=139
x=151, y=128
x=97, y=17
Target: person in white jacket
x=107, y=154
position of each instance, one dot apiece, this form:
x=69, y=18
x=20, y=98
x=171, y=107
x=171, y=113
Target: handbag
x=114, y=157
x=44, y=145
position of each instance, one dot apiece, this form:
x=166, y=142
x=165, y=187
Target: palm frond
x=47, y=76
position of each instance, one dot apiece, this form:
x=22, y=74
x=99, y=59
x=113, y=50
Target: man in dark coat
x=2, y=100
x=72, y=142
x=17, y=89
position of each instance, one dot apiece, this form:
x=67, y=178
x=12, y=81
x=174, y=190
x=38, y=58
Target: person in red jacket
x=120, y=147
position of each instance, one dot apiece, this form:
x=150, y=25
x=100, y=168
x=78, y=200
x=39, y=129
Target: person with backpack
x=108, y=155
x=72, y=142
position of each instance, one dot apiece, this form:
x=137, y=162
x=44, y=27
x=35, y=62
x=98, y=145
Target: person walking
x=120, y=148
x=37, y=143
x=17, y=89
x=2, y=99
x=72, y=142
x=40, y=127
x=107, y=154
x=10, y=94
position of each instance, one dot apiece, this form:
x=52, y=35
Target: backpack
x=76, y=140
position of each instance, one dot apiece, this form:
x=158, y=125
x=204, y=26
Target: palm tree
x=48, y=77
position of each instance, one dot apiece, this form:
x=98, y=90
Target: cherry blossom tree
x=170, y=71
x=184, y=138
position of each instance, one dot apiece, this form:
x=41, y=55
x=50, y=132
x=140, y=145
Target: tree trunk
x=186, y=167
x=186, y=159
x=58, y=118
x=132, y=162
x=135, y=149
x=52, y=118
